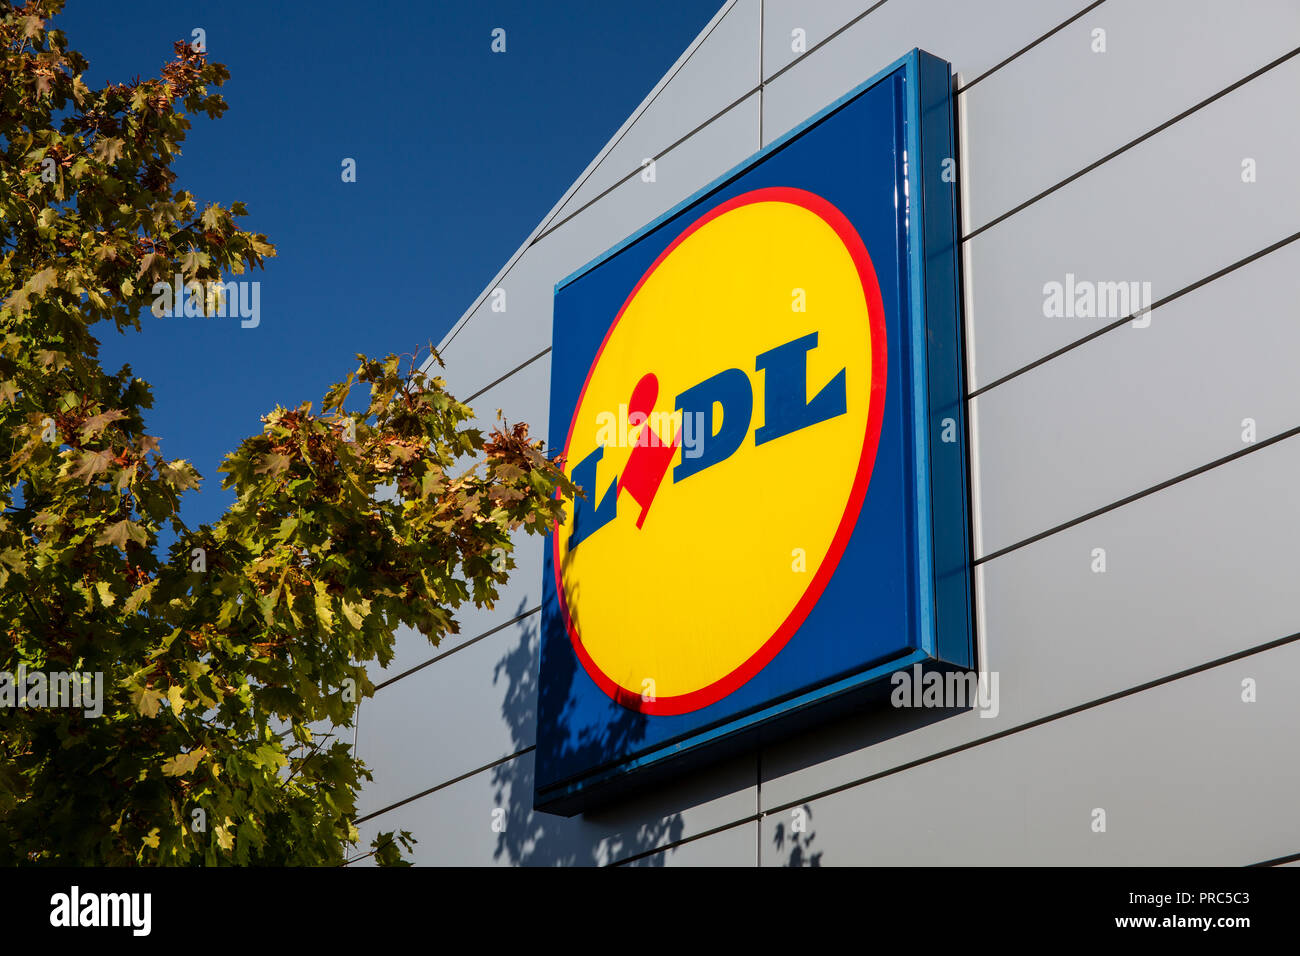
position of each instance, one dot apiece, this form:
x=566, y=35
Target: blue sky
x=459, y=153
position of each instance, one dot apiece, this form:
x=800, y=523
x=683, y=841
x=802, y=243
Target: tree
x=223, y=654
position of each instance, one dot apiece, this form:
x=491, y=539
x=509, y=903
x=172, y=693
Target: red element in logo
x=649, y=461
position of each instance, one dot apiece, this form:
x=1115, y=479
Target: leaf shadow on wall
x=789, y=833
x=610, y=835
x=797, y=833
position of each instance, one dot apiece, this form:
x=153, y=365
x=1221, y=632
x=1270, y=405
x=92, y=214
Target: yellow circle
x=723, y=556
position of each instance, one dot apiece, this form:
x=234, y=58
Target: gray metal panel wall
x=1119, y=690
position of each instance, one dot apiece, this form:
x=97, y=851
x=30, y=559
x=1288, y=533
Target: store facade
x=1126, y=214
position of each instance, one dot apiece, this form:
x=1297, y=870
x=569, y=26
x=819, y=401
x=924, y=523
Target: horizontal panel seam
x=551, y=223
x=1083, y=340
x=703, y=835
x=518, y=368
x=554, y=222
x=802, y=58
x=446, y=783
x=971, y=745
x=860, y=781
x=459, y=647
x=528, y=245
x=821, y=43
x=636, y=117
x=1131, y=143
x=1063, y=350
x=1167, y=483
x=1119, y=323
x=1289, y=858
x=1025, y=49
x=573, y=190
x=658, y=155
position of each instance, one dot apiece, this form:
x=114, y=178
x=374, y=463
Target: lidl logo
x=761, y=394
x=763, y=377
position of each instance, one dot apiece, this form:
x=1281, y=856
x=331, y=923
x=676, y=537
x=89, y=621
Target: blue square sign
x=761, y=394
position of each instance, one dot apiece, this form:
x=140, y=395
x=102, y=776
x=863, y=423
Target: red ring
x=712, y=693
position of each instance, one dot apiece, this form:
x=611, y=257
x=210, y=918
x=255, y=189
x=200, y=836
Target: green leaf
x=119, y=532
x=225, y=839
x=108, y=149
x=356, y=612
x=139, y=597
x=272, y=464
x=182, y=764
x=325, y=610
x=193, y=261
x=213, y=218
x=146, y=701
x=97, y=423
x=42, y=280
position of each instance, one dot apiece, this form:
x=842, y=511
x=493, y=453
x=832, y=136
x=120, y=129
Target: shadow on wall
x=528, y=838
x=639, y=827
x=791, y=832
x=798, y=834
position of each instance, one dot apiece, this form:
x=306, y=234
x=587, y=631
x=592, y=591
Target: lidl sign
x=762, y=395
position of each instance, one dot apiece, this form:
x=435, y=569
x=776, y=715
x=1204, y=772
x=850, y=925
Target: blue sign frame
x=884, y=154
